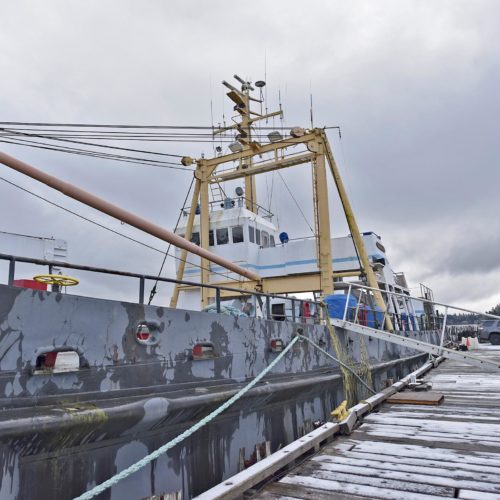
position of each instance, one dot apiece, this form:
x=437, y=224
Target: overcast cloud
x=412, y=84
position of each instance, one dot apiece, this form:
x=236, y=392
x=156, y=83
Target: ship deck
x=408, y=451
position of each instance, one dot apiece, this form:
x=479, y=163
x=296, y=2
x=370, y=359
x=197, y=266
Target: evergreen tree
x=495, y=310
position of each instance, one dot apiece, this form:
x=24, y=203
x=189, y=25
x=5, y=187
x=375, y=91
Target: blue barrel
x=336, y=306
x=408, y=320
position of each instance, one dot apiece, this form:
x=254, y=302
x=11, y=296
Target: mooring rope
x=343, y=365
x=347, y=364
x=96, y=490
x=181, y=437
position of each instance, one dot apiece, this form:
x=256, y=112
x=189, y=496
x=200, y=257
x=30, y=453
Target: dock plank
x=410, y=478
x=452, y=471
x=412, y=451
x=416, y=398
x=363, y=490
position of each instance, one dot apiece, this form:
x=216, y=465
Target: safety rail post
x=441, y=342
x=217, y=299
x=268, y=307
x=407, y=309
x=293, y=311
x=141, y=289
x=357, y=306
x=347, y=302
x=12, y=270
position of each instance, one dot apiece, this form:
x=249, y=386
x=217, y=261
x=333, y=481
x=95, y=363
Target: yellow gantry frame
x=318, y=154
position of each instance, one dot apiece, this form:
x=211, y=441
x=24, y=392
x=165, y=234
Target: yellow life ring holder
x=56, y=279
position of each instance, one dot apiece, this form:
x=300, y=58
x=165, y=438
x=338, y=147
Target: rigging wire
x=207, y=138
x=152, y=293
x=107, y=126
x=295, y=201
x=90, y=143
x=100, y=125
x=113, y=230
x=343, y=160
x=111, y=134
x=272, y=187
x=95, y=154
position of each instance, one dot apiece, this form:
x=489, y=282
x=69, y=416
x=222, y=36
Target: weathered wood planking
x=416, y=398
x=413, y=452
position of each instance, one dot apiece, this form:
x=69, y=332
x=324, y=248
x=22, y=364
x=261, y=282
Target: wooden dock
x=407, y=451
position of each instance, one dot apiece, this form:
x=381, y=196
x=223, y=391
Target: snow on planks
x=411, y=451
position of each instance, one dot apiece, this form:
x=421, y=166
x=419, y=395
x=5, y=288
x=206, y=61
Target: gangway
x=419, y=345
x=404, y=338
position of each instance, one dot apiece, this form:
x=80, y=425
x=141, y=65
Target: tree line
x=469, y=318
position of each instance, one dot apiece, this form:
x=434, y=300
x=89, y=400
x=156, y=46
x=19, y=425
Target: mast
x=206, y=168
x=284, y=154
x=246, y=138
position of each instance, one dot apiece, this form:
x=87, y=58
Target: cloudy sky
x=412, y=84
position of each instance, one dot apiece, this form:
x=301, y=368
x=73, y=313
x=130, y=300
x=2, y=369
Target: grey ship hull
x=62, y=433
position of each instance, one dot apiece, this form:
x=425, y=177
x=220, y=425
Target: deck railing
x=297, y=313
x=407, y=319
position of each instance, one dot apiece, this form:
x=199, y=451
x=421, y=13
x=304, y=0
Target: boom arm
x=121, y=214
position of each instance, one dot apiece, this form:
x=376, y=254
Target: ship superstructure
x=241, y=231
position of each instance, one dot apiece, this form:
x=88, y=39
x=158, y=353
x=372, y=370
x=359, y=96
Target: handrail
x=143, y=277
x=421, y=299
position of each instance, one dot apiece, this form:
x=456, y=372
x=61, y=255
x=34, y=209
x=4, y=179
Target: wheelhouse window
x=195, y=238
x=222, y=236
x=211, y=238
x=272, y=243
x=257, y=236
x=265, y=239
x=251, y=234
x=237, y=234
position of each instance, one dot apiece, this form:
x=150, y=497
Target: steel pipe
x=121, y=214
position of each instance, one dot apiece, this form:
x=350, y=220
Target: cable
x=90, y=143
x=100, y=125
x=153, y=290
x=113, y=230
x=89, y=151
x=95, y=154
x=296, y=203
x=80, y=216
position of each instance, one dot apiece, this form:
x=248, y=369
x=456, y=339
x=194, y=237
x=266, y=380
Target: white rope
x=162, y=449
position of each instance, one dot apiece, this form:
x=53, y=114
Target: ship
x=90, y=386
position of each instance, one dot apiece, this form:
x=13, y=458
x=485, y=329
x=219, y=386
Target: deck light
x=274, y=136
x=235, y=147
